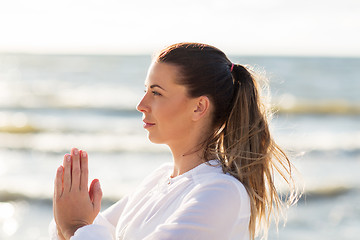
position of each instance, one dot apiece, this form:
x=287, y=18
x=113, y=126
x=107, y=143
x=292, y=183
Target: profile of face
x=168, y=113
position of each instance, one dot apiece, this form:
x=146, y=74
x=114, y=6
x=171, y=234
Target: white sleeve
x=53, y=230
x=100, y=229
x=113, y=213
x=214, y=211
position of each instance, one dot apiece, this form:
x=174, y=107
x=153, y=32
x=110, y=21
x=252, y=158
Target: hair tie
x=232, y=67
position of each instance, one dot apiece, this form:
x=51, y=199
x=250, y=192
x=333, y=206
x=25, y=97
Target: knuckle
x=84, y=171
x=76, y=171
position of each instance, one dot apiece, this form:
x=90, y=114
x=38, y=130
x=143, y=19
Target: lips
x=148, y=124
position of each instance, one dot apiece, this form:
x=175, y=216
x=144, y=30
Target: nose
x=142, y=105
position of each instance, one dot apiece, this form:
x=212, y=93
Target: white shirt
x=203, y=203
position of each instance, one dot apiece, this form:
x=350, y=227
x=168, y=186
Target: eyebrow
x=156, y=85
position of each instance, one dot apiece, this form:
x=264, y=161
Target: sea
x=51, y=103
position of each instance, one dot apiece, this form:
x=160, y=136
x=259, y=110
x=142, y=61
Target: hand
x=74, y=205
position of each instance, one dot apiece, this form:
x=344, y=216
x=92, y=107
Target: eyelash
x=155, y=93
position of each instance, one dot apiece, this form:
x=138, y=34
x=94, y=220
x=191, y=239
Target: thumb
x=96, y=194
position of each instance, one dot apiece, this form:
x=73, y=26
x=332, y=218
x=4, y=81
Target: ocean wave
x=21, y=120
x=324, y=193
x=60, y=109
x=59, y=143
x=121, y=108
x=349, y=152
x=54, y=143
x=290, y=105
x=133, y=139
x=27, y=128
x=328, y=192
x=6, y=196
x=93, y=120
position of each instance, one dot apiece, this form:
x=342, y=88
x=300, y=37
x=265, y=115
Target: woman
x=220, y=185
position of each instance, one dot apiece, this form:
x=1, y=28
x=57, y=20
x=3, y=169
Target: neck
x=188, y=152
x=185, y=160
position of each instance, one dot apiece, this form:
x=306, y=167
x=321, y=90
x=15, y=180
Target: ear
x=202, y=107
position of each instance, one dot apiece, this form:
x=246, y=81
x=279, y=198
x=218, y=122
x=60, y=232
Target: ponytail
x=250, y=154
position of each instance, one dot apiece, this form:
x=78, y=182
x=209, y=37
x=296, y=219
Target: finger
x=91, y=190
x=58, y=186
x=97, y=195
x=84, y=171
x=75, y=174
x=67, y=173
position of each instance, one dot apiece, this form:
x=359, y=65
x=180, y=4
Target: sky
x=252, y=27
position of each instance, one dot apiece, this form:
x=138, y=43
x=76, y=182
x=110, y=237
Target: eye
x=155, y=93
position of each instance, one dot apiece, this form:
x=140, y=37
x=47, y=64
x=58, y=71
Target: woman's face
x=166, y=108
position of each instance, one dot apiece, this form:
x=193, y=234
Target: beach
x=51, y=103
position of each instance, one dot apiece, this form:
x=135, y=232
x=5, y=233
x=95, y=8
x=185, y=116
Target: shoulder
x=214, y=177
x=221, y=182
x=220, y=189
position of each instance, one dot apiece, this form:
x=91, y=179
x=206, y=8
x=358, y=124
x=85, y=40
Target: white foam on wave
x=55, y=94
x=58, y=142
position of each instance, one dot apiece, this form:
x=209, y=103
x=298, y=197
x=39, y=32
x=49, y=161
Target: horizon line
x=144, y=53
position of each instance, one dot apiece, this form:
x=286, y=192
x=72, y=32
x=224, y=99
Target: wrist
x=59, y=233
x=71, y=230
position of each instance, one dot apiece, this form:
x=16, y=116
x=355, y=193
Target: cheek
x=176, y=117
x=169, y=114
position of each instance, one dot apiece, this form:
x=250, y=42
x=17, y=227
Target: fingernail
x=59, y=169
x=68, y=158
x=76, y=152
x=83, y=154
x=97, y=185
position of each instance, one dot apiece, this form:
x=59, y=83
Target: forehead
x=161, y=73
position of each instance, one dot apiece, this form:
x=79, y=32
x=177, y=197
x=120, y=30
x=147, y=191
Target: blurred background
x=72, y=72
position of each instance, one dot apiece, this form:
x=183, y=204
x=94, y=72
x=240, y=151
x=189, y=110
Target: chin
x=155, y=139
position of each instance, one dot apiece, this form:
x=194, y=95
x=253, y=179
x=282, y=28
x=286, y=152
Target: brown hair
x=240, y=138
